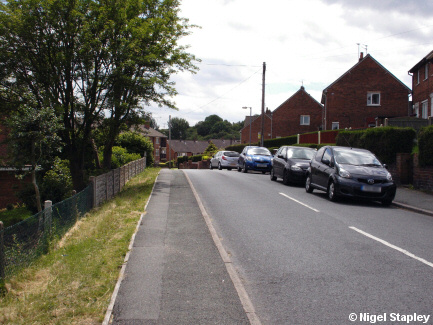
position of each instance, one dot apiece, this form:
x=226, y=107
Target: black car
x=350, y=172
x=291, y=164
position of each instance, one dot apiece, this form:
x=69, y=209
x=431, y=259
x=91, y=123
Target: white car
x=224, y=159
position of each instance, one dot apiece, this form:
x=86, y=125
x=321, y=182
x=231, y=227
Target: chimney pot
x=361, y=56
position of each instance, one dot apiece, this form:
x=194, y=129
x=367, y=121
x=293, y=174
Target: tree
x=33, y=141
x=179, y=127
x=86, y=60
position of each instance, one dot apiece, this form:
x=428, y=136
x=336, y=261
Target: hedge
x=425, y=146
x=384, y=142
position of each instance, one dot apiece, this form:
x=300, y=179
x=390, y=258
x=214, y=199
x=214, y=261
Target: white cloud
x=310, y=42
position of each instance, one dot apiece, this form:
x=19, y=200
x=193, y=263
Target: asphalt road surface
x=306, y=260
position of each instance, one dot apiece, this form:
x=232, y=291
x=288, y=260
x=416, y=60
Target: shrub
x=278, y=142
x=134, y=142
x=384, y=142
x=121, y=157
x=425, y=146
x=57, y=183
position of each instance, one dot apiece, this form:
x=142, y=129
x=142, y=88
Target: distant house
x=422, y=87
x=189, y=148
x=364, y=96
x=158, y=140
x=300, y=113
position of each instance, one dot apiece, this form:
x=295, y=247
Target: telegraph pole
x=263, y=106
x=169, y=140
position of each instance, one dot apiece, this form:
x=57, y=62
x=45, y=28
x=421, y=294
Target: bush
x=121, y=157
x=425, y=146
x=279, y=142
x=57, y=183
x=236, y=147
x=136, y=143
x=384, y=142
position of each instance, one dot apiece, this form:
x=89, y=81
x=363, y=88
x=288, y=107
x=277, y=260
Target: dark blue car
x=255, y=158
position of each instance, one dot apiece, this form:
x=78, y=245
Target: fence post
x=2, y=259
x=93, y=181
x=145, y=158
x=48, y=211
x=318, y=137
x=386, y=122
x=297, y=141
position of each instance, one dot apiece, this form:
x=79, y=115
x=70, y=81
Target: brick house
x=189, y=148
x=422, y=87
x=300, y=113
x=364, y=96
x=158, y=140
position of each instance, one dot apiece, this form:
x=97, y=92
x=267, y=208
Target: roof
x=427, y=58
x=302, y=89
x=368, y=56
x=148, y=131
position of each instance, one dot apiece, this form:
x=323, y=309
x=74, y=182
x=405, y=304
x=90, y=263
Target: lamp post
x=250, y=120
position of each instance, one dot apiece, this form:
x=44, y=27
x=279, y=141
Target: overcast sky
x=309, y=42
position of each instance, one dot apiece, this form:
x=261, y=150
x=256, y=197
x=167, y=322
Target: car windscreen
x=231, y=154
x=259, y=151
x=358, y=158
x=300, y=153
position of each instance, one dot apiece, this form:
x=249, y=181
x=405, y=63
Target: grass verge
x=74, y=282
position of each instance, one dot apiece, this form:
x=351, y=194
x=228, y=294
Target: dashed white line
x=299, y=202
x=401, y=250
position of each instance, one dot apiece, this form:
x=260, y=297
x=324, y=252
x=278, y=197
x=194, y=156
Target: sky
x=308, y=43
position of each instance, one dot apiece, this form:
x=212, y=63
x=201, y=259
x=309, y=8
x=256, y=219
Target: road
x=306, y=260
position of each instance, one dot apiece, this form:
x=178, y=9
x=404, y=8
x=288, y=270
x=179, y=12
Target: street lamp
x=250, y=120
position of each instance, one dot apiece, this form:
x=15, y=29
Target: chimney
x=361, y=56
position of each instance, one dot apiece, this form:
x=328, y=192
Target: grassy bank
x=74, y=282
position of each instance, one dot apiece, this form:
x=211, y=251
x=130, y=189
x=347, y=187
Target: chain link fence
x=23, y=242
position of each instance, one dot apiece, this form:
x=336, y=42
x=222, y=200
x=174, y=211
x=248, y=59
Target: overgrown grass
x=11, y=217
x=74, y=282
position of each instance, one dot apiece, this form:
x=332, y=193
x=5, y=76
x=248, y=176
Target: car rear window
x=259, y=151
x=300, y=153
x=231, y=154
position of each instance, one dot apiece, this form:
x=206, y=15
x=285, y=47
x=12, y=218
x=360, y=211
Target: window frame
x=426, y=71
x=337, y=124
x=424, y=109
x=303, y=118
x=370, y=96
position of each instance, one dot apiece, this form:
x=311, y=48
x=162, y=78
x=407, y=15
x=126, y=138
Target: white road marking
x=401, y=250
x=305, y=205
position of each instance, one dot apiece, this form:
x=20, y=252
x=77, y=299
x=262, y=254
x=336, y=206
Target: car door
x=316, y=165
x=242, y=157
x=325, y=168
x=279, y=161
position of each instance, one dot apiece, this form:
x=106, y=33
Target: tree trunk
x=95, y=154
x=34, y=182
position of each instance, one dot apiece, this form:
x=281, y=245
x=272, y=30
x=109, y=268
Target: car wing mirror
x=326, y=161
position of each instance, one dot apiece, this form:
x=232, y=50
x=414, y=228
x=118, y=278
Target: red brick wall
x=423, y=89
x=9, y=185
x=286, y=119
x=422, y=176
x=346, y=99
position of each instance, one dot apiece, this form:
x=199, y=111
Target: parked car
x=224, y=159
x=291, y=163
x=254, y=158
x=350, y=172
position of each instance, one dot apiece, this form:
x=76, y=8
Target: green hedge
x=425, y=145
x=384, y=142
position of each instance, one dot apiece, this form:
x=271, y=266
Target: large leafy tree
x=179, y=126
x=87, y=60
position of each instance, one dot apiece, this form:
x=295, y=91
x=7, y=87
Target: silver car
x=224, y=159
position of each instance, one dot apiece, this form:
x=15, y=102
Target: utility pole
x=169, y=140
x=263, y=106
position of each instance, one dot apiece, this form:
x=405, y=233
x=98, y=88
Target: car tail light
x=223, y=158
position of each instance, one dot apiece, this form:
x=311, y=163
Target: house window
x=417, y=77
x=305, y=119
x=373, y=99
x=157, y=140
x=431, y=103
x=424, y=109
x=163, y=150
x=335, y=125
x=156, y=152
x=426, y=72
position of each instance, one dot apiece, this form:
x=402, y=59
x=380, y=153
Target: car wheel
x=239, y=169
x=273, y=177
x=331, y=192
x=229, y=169
x=244, y=168
x=386, y=202
x=210, y=165
x=308, y=186
x=219, y=166
x=286, y=179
